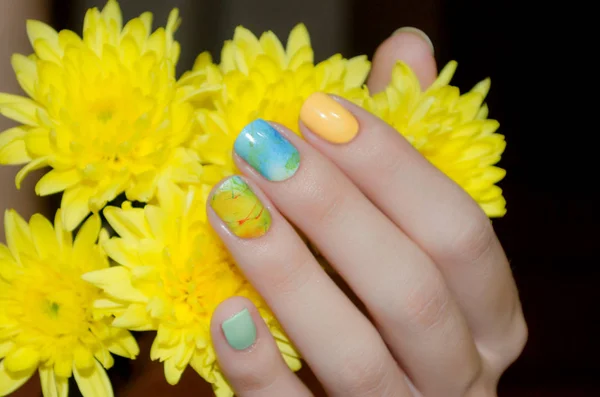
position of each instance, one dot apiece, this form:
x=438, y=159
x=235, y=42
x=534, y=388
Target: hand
x=444, y=317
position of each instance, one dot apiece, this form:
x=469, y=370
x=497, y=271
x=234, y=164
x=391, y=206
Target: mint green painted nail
x=240, y=330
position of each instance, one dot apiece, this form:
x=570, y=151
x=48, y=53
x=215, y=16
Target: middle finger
x=401, y=287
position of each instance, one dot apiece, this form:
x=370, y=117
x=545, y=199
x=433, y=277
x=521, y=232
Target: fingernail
x=267, y=151
x=328, y=118
x=239, y=208
x=239, y=330
x=418, y=32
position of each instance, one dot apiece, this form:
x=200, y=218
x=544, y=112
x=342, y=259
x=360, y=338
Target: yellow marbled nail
x=239, y=208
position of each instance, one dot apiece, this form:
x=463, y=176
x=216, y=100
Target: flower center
x=51, y=303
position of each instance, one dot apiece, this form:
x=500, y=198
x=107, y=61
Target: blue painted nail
x=267, y=151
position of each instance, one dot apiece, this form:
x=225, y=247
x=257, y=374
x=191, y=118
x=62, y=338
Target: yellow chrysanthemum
x=259, y=78
x=104, y=112
x=173, y=273
x=451, y=130
x=46, y=317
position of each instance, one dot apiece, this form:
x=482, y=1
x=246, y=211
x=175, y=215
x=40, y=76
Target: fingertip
x=409, y=45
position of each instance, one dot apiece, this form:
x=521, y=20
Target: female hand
x=444, y=317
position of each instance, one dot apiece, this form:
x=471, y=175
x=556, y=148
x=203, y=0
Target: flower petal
x=123, y=344
x=33, y=165
x=10, y=381
x=116, y=282
x=93, y=382
x=12, y=147
x=298, y=38
x=37, y=30
x=56, y=181
x=75, y=205
x=22, y=359
x=44, y=236
x=52, y=385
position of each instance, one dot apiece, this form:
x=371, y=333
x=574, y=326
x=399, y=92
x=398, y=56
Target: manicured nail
x=418, y=32
x=239, y=330
x=267, y=151
x=328, y=118
x=239, y=208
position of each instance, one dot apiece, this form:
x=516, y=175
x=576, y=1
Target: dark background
x=549, y=232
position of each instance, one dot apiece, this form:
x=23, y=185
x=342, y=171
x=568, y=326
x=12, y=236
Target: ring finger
x=321, y=321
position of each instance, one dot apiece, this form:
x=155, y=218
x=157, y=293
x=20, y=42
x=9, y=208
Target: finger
x=248, y=355
x=341, y=346
x=409, y=45
x=433, y=210
x=401, y=287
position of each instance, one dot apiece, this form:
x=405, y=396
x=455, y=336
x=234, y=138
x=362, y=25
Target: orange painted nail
x=329, y=119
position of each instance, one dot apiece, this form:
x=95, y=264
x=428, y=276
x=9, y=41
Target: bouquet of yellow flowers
x=107, y=116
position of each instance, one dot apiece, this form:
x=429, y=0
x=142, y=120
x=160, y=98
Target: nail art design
x=239, y=330
x=267, y=151
x=237, y=205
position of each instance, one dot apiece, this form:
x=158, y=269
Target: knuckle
x=518, y=337
x=426, y=307
x=470, y=377
x=288, y=276
x=323, y=198
x=363, y=373
x=474, y=240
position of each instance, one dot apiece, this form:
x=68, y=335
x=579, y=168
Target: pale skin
x=444, y=317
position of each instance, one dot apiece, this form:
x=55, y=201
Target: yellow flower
x=259, y=78
x=104, y=112
x=173, y=273
x=451, y=130
x=46, y=318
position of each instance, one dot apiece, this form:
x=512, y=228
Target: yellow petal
x=221, y=387
x=33, y=165
x=298, y=38
x=52, y=385
x=63, y=367
x=12, y=147
x=135, y=318
x=123, y=252
x=86, y=238
x=172, y=371
x=37, y=142
x=10, y=381
x=129, y=225
x=357, y=70
x=18, y=235
x=93, y=382
x=25, y=70
x=445, y=75
x=18, y=108
x=123, y=344
x=44, y=236
x=37, y=30
x=112, y=12
x=116, y=282
x=5, y=348
x=273, y=48
x=64, y=237
x=22, y=359
x=56, y=181
x=83, y=359
x=75, y=205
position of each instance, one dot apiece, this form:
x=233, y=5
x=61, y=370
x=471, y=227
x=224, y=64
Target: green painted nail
x=240, y=330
